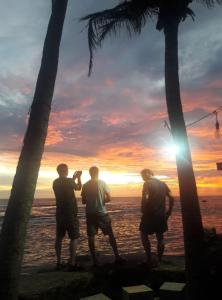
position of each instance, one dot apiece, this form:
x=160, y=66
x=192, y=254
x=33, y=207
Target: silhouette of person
x=95, y=194
x=66, y=213
x=154, y=214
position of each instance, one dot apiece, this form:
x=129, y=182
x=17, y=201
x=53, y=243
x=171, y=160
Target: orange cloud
x=54, y=136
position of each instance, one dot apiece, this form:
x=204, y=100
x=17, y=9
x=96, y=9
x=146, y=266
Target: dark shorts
x=153, y=224
x=71, y=227
x=96, y=221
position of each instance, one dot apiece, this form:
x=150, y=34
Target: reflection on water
x=125, y=214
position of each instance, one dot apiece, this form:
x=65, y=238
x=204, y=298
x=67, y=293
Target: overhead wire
x=214, y=112
x=206, y=116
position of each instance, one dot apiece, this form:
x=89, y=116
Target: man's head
x=146, y=174
x=94, y=172
x=62, y=170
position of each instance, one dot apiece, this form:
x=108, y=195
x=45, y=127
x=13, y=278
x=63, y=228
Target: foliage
x=133, y=15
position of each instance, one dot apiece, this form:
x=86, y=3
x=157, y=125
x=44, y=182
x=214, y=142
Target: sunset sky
x=114, y=119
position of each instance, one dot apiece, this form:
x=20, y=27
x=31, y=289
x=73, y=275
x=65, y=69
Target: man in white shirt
x=95, y=194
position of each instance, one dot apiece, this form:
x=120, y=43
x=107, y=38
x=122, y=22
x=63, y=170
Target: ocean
x=125, y=214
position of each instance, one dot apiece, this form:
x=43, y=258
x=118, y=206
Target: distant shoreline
x=114, y=197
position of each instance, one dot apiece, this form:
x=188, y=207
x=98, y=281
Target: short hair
x=147, y=172
x=61, y=167
x=93, y=171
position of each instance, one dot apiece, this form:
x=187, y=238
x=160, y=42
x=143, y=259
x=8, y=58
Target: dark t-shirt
x=154, y=197
x=66, y=206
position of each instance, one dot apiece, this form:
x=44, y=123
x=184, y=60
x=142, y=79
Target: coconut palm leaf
x=131, y=15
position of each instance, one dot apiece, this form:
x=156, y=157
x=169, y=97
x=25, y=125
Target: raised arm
x=78, y=184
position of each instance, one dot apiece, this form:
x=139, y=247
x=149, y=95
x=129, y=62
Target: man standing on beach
x=154, y=214
x=95, y=194
x=66, y=213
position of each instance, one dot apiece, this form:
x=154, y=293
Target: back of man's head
x=94, y=172
x=62, y=170
x=146, y=173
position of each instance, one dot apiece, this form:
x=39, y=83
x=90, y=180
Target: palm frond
x=127, y=14
x=132, y=15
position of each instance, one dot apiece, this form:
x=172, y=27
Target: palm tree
x=133, y=15
x=12, y=238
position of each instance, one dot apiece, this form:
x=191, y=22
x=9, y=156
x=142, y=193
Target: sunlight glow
x=120, y=178
x=172, y=149
x=7, y=171
x=108, y=177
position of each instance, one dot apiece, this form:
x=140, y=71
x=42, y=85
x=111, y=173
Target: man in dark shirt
x=154, y=214
x=66, y=212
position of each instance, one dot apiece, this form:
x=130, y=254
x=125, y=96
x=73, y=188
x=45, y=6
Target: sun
x=175, y=149
x=172, y=149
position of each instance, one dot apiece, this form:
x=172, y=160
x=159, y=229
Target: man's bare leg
x=58, y=250
x=146, y=245
x=91, y=243
x=160, y=245
x=72, y=247
x=113, y=244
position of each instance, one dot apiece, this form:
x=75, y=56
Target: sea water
x=125, y=214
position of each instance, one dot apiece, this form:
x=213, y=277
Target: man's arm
x=83, y=199
x=78, y=185
x=145, y=196
x=54, y=186
x=107, y=197
x=171, y=204
x=83, y=195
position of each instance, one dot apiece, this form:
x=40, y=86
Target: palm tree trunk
x=13, y=233
x=191, y=216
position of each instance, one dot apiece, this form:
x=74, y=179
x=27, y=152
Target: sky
x=114, y=119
